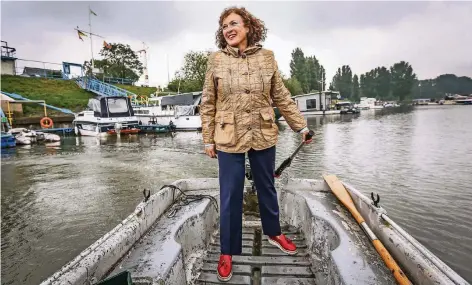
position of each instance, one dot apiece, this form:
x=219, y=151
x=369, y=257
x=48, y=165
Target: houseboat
x=106, y=116
x=181, y=111
x=319, y=103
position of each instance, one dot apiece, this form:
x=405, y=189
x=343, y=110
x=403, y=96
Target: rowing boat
x=172, y=238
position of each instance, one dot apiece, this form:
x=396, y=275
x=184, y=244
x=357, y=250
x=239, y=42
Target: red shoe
x=284, y=243
x=225, y=268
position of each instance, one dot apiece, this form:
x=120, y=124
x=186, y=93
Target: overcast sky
x=435, y=37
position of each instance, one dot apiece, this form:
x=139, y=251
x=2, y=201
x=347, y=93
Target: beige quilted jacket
x=236, y=108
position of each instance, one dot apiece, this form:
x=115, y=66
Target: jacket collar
x=234, y=51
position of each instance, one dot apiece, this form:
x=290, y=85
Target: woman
x=242, y=81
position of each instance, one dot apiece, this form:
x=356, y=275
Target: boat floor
x=184, y=248
x=261, y=262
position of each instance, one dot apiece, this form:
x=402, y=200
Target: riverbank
x=57, y=92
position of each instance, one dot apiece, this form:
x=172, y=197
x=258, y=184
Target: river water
x=58, y=199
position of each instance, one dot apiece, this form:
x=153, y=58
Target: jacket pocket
x=269, y=129
x=224, y=84
x=266, y=81
x=225, y=131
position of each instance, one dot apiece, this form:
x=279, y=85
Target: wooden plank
x=262, y=260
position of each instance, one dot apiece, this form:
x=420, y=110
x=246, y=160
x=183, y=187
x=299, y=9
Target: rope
x=185, y=199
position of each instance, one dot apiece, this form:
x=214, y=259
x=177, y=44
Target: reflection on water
x=58, y=199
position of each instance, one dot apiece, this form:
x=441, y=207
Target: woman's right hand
x=210, y=150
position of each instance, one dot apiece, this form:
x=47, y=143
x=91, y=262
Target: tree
x=308, y=71
x=402, y=80
x=195, y=64
x=191, y=77
x=440, y=86
x=315, y=73
x=298, y=69
x=382, y=82
x=342, y=81
x=336, y=82
x=119, y=61
x=376, y=83
x=293, y=86
x=183, y=85
x=355, y=88
x=368, y=85
x=331, y=87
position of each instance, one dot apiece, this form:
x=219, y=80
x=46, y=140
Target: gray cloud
x=139, y=20
x=432, y=36
x=160, y=20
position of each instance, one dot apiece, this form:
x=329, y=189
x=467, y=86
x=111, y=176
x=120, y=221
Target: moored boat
x=106, y=116
x=181, y=110
x=128, y=131
x=156, y=129
x=8, y=140
x=172, y=238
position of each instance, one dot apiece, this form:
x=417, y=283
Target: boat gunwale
x=128, y=222
x=398, y=245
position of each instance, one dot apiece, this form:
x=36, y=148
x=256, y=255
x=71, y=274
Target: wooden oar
x=338, y=189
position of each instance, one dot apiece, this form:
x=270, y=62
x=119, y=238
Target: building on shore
x=8, y=55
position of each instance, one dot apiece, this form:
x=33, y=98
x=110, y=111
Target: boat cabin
x=319, y=101
x=110, y=107
x=180, y=104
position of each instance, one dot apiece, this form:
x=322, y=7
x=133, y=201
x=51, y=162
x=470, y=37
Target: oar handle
x=310, y=135
x=281, y=168
x=391, y=264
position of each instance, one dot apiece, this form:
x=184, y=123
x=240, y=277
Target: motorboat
x=180, y=111
x=107, y=115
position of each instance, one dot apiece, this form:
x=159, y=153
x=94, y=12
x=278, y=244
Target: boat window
x=117, y=105
x=81, y=115
x=311, y=103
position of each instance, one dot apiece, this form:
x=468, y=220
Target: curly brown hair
x=257, y=30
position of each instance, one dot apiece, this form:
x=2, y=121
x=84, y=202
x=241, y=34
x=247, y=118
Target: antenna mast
x=145, y=69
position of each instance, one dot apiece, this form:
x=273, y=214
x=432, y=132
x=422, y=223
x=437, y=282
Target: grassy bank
x=143, y=91
x=59, y=93
x=138, y=90
x=56, y=92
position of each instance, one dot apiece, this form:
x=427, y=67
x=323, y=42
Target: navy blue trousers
x=231, y=178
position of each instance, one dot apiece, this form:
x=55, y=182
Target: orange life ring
x=46, y=122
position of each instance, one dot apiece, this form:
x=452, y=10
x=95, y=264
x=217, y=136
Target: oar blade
x=343, y=195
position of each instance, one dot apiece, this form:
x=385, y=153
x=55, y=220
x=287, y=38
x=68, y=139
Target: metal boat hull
x=158, y=248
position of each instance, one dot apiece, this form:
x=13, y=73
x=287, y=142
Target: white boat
x=106, y=116
x=24, y=136
x=366, y=103
x=181, y=110
x=370, y=103
x=168, y=241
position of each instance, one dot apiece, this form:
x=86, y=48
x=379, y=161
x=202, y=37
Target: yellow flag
x=81, y=35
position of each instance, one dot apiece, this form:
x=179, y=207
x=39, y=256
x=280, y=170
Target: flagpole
x=168, y=76
x=91, y=42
